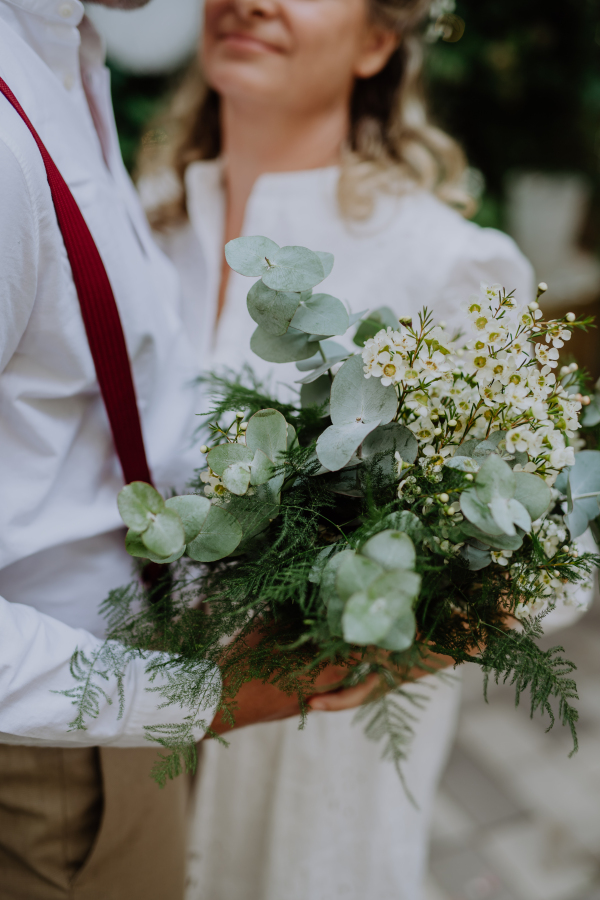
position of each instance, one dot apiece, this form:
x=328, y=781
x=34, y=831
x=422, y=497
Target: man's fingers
x=349, y=698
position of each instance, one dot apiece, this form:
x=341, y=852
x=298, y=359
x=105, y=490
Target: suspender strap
x=100, y=317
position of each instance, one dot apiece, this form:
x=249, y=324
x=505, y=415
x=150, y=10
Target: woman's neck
x=258, y=141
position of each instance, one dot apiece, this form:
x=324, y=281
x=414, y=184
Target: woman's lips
x=242, y=41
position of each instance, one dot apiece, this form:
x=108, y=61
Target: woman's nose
x=256, y=8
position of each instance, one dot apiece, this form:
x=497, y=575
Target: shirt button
x=68, y=81
x=65, y=10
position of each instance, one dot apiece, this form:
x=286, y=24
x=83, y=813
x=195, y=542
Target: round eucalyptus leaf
x=225, y=455
x=356, y=574
x=477, y=512
x=495, y=479
x=533, y=492
x=220, y=535
x=292, y=437
x=261, y=468
x=321, y=370
x=477, y=559
x=192, y=511
x=584, y=478
x=468, y=448
x=496, y=542
x=322, y=314
x=392, y=437
x=338, y=443
x=327, y=261
x=402, y=634
x=356, y=399
x=591, y=414
x=329, y=595
x=383, y=317
x=463, y=464
x=273, y=310
x=356, y=317
x=365, y=621
x=165, y=535
x=508, y=513
x=289, y=347
x=135, y=547
x=490, y=445
x=138, y=503
x=391, y=549
x=236, y=478
x=293, y=269
x=250, y=255
x=331, y=349
x=267, y=431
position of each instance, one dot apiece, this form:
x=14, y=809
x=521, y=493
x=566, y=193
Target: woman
x=312, y=131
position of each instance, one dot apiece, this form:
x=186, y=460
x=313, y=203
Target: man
x=80, y=817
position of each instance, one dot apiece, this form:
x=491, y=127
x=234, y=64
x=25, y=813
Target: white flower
x=517, y=396
x=214, y=487
x=502, y=367
x=501, y=556
x=546, y=356
x=542, y=382
x=557, y=336
x=423, y=429
x=491, y=394
x=435, y=364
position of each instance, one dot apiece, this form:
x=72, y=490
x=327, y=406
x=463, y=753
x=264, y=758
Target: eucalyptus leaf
x=165, y=535
x=289, y=347
x=403, y=520
x=401, y=635
x=292, y=437
x=533, y=492
x=337, y=444
x=254, y=513
x=136, y=547
x=495, y=479
x=293, y=269
x=356, y=399
x=327, y=261
x=273, y=310
x=138, y=503
x=322, y=370
x=316, y=393
x=478, y=512
x=220, y=535
x=496, y=542
x=584, y=478
x=267, y=431
x=462, y=464
x=370, y=614
x=391, y=437
x=591, y=413
x=236, y=478
x=261, y=468
x=331, y=349
x=250, y=255
x=477, y=559
x=467, y=449
x=192, y=510
x=507, y=513
x=225, y=455
x=354, y=574
x=321, y=314
x=383, y=317
x=329, y=595
x=391, y=549
x=356, y=317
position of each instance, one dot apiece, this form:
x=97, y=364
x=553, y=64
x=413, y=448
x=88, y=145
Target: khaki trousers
x=89, y=824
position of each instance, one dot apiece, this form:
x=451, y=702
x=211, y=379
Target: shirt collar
x=65, y=12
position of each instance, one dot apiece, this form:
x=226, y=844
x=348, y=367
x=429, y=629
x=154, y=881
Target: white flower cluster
x=503, y=379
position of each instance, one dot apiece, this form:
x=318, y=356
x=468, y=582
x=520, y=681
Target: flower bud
x=243, y=426
x=240, y=414
x=203, y=448
x=437, y=432
x=533, y=306
x=443, y=498
x=469, y=477
x=542, y=288
x=452, y=423
x=570, y=317
x=573, y=367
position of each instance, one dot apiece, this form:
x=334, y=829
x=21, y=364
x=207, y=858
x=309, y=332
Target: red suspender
x=100, y=317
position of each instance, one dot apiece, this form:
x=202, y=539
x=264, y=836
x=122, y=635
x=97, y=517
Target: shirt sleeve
x=18, y=254
x=486, y=256
x=35, y=673
x=35, y=649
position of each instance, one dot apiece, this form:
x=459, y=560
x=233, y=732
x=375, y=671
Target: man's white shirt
x=61, y=541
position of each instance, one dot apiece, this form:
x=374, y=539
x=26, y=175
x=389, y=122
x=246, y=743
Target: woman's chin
x=246, y=82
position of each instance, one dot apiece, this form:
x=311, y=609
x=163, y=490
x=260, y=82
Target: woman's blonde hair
x=392, y=144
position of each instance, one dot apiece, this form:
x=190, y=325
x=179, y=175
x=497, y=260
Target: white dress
x=284, y=814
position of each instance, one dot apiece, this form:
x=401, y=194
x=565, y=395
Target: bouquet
x=421, y=498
